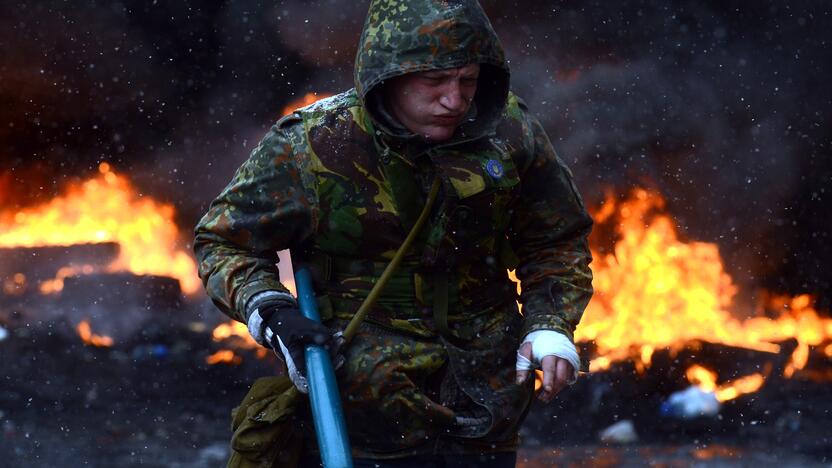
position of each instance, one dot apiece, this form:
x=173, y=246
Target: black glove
x=288, y=332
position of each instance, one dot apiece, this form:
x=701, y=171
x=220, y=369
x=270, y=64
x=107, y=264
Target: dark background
x=722, y=106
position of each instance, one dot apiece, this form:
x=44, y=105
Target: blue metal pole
x=330, y=428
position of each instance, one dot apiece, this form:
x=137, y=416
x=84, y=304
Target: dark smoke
x=722, y=106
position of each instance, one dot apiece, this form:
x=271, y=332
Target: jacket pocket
x=263, y=425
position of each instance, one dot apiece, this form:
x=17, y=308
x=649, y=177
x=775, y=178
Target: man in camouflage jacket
x=341, y=183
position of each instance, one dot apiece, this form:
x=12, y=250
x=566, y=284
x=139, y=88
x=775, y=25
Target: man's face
x=433, y=103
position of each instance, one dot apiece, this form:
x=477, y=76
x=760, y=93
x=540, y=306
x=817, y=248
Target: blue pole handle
x=330, y=427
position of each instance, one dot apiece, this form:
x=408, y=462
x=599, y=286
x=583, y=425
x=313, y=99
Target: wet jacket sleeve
x=264, y=209
x=548, y=234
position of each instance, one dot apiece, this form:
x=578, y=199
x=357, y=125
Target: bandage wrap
x=549, y=343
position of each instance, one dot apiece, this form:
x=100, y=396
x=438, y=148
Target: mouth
x=447, y=119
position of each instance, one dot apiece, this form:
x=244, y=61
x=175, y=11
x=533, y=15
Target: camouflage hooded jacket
x=341, y=186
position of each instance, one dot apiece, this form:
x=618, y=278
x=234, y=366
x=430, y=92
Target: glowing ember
x=748, y=384
x=90, y=338
x=538, y=380
x=706, y=380
x=229, y=329
x=307, y=99
x=238, y=332
x=105, y=208
x=15, y=285
x=714, y=451
x=56, y=284
x=701, y=377
x=224, y=356
x=798, y=320
x=656, y=291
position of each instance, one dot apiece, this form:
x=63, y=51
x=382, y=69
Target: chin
x=439, y=134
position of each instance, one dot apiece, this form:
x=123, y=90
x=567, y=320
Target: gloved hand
x=287, y=332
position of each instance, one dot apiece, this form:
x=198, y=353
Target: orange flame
x=14, y=285
x=706, y=380
x=90, y=338
x=239, y=333
x=713, y=451
x=105, y=208
x=307, y=99
x=224, y=356
x=656, y=291
x=748, y=384
x=538, y=380
x=799, y=320
x=226, y=330
x=56, y=284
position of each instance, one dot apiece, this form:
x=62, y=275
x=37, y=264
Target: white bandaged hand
x=548, y=343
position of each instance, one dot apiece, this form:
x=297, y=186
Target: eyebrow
x=447, y=73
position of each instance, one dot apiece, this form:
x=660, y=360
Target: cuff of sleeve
x=255, y=321
x=270, y=296
x=541, y=314
x=255, y=328
x=547, y=322
x=247, y=292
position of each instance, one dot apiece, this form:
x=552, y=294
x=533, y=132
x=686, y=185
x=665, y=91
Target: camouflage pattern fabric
x=341, y=189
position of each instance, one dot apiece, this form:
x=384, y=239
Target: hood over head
x=405, y=36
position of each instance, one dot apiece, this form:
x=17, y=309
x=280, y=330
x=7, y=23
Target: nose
x=452, y=98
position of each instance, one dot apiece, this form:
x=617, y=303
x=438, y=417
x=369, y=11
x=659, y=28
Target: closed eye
x=433, y=78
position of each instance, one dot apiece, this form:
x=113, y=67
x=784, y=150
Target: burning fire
x=105, y=208
x=307, y=99
x=224, y=356
x=238, y=332
x=56, y=284
x=90, y=338
x=15, y=285
x=237, y=335
x=656, y=291
x=227, y=330
x=706, y=380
